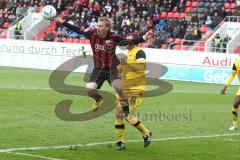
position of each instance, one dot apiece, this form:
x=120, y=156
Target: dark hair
x=134, y=35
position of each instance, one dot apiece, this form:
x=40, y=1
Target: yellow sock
x=234, y=115
x=119, y=126
x=140, y=126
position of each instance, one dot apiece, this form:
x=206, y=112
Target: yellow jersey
x=235, y=71
x=133, y=71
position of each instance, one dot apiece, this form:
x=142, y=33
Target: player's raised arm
x=70, y=26
x=230, y=79
x=135, y=41
x=144, y=38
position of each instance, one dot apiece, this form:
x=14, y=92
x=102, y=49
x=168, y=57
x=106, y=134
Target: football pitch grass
x=189, y=123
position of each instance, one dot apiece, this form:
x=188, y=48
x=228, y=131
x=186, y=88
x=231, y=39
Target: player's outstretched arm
x=70, y=26
x=136, y=41
x=59, y=20
x=223, y=91
x=228, y=82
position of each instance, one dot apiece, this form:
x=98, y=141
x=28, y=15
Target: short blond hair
x=106, y=20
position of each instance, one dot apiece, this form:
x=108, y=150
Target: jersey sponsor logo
x=99, y=47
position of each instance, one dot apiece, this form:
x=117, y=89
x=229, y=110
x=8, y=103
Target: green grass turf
x=193, y=109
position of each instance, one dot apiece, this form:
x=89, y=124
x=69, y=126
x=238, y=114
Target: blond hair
x=107, y=21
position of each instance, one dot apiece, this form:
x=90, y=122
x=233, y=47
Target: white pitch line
x=47, y=88
x=32, y=155
x=130, y=141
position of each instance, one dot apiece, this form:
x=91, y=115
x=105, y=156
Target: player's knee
x=118, y=89
x=91, y=88
x=236, y=105
x=119, y=113
x=91, y=92
x=117, y=85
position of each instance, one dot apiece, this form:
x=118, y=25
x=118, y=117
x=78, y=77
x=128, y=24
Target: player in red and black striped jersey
x=103, y=43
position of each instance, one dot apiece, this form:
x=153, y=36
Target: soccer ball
x=48, y=12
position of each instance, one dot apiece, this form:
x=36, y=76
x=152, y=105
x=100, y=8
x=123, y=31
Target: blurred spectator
x=44, y=38
x=208, y=21
x=93, y=23
x=130, y=16
x=237, y=4
x=18, y=31
x=225, y=42
x=216, y=19
x=9, y=4
x=2, y=20
x=84, y=52
x=217, y=41
x=60, y=39
x=19, y=11
x=161, y=25
x=196, y=33
x=51, y=36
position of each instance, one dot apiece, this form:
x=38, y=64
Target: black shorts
x=99, y=75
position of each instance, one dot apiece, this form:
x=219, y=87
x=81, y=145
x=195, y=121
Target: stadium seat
x=178, y=41
x=87, y=41
x=69, y=40
x=176, y=15
x=227, y=6
x=82, y=41
x=203, y=28
x=195, y=4
x=184, y=47
x=164, y=46
x=5, y=24
x=164, y=15
x=233, y=5
x=3, y=35
x=183, y=15
x=188, y=9
x=170, y=15
x=170, y=40
x=237, y=51
x=200, y=46
x=64, y=39
x=75, y=40
x=188, y=4
x=177, y=47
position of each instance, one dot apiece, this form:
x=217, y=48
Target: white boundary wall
x=182, y=65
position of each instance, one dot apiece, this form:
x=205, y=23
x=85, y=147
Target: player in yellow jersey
x=235, y=71
x=132, y=69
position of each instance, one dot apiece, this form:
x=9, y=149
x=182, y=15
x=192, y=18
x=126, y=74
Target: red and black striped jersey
x=103, y=48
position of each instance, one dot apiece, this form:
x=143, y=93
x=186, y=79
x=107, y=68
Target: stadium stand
x=177, y=24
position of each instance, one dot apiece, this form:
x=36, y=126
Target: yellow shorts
x=134, y=99
x=238, y=92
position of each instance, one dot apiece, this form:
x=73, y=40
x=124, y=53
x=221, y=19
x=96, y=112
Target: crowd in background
x=170, y=19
